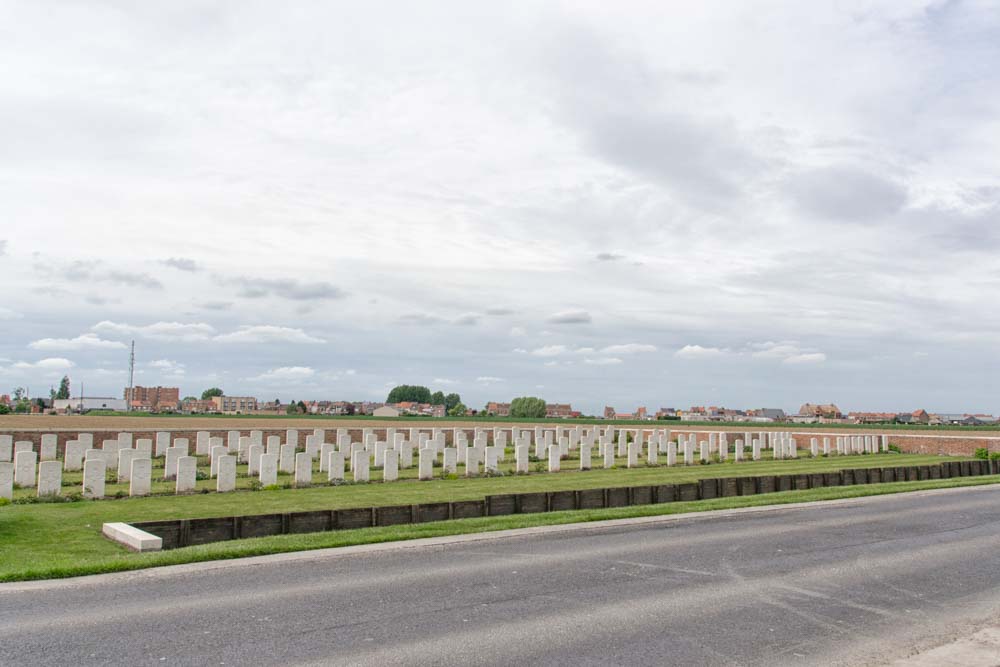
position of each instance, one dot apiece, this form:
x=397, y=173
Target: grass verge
x=67, y=560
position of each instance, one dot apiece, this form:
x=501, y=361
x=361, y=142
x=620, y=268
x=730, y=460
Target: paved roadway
x=849, y=583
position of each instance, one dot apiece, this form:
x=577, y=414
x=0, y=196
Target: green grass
x=446, y=422
x=63, y=539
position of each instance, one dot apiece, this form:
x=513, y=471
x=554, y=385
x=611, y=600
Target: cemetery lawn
x=50, y=540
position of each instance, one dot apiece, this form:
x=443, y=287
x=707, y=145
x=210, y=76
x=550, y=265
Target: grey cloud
x=420, y=319
x=182, y=264
x=216, y=305
x=285, y=288
x=3, y=247
x=608, y=256
x=499, y=311
x=570, y=317
x=845, y=193
x=466, y=320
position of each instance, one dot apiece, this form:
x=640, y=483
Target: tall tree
x=527, y=407
x=451, y=400
x=63, y=388
x=209, y=393
x=405, y=392
x=457, y=410
x=437, y=398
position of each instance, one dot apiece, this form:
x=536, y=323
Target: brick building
x=498, y=409
x=153, y=399
x=560, y=410
x=235, y=404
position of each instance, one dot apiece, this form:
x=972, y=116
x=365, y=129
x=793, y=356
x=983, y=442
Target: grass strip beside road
x=75, y=555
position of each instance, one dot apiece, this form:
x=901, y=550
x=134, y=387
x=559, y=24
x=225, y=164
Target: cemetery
x=258, y=491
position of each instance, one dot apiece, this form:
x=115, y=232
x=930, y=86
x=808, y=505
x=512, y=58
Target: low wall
x=188, y=532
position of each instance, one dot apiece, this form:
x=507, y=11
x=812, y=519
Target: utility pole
x=131, y=377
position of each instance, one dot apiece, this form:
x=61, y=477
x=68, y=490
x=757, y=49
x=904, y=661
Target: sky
x=666, y=204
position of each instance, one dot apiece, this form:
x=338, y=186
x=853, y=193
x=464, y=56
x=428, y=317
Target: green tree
x=457, y=410
x=190, y=398
x=437, y=398
x=527, y=407
x=301, y=407
x=4, y=410
x=405, y=392
x=291, y=408
x=209, y=393
x=451, y=400
x=63, y=392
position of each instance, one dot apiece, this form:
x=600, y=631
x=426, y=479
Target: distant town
x=158, y=400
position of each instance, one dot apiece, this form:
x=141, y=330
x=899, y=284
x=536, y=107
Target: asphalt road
x=854, y=583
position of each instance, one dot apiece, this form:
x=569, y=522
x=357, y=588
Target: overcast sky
x=661, y=204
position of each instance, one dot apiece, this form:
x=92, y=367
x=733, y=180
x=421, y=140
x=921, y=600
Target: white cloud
x=267, y=334
x=550, y=351
x=8, y=314
x=167, y=366
x=551, y=363
x=162, y=331
x=444, y=381
x=699, y=352
x=50, y=364
x=290, y=374
x=87, y=341
x=805, y=358
x=603, y=361
x=628, y=348
x=488, y=379
x=517, y=332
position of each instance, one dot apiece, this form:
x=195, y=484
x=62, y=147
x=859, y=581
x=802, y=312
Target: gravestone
x=242, y=450
x=216, y=453
x=170, y=465
x=268, y=469
x=49, y=478
x=187, y=471
x=390, y=466
x=140, y=477
x=6, y=448
x=335, y=466
x=406, y=454
x=47, y=449
x=425, y=463
x=183, y=444
x=303, y=469
x=7, y=480
x=125, y=457
x=360, y=467
x=609, y=455
x=25, y=463
x=671, y=453
x=324, y=454
x=162, y=443
x=201, y=444
x=225, y=474
x=253, y=459
x=584, y=456
x=233, y=441
x=286, y=458
x=93, y=477
x=73, y=456
x=555, y=458
x=292, y=437
x=144, y=447
x=125, y=440
x=274, y=445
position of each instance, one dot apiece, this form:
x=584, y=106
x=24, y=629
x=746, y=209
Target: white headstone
x=584, y=456
x=449, y=465
x=125, y=439
x=555, y=457
x=633, y=454
x=425, y=463
x=162, y=443
x=225, y=473
x=47, y=450
x=274, y=445
x=671, y=453
x=187, y=474
x=73, y=456
x=144, y=447
x=141, y=477
x=125, y=457
x=49, y=478
x=292, y=437
x=217, y=453
x=6, y=448
x=25, y=463
x=303, y=469
x=390, y=466
x=233, y=441
x=253, y=459
x=201, y=445
x=7, y=480
x=268, y=469
x=170, y=465
x=87, y=439
x=183, y=444
x=335, y=466
x=406, y=454
x=361, y=467
x=286, y=459
x=93, y=477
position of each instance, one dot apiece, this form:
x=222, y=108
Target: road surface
x=864, y=581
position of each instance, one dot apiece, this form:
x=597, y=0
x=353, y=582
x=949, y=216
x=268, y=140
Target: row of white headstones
x=19, y=463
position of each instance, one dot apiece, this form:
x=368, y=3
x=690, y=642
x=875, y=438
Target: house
x=920, y=417
x=609, y=412
x=624, y=415
x=386, y=411
x=558, y=410
x=770, y=414
x=821, y=410
x=872, y=417
x=89, y=403
x=196, y=406
x=498, y=409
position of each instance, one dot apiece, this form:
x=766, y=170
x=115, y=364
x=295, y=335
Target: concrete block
x=131, y=537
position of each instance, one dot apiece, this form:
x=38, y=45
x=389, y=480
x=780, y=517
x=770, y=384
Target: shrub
x=895, y=448
x=4, y=501
x=995, y=456
x=982, y=453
